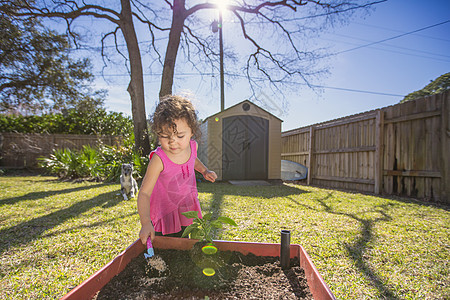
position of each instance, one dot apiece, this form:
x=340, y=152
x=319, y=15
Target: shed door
x=245, y=147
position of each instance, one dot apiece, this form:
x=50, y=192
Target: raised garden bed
x=257, y=253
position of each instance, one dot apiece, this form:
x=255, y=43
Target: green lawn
x=55, y=234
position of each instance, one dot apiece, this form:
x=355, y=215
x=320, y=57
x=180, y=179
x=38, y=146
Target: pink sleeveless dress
x=175, y=192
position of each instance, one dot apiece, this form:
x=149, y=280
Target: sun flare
x=222, y=4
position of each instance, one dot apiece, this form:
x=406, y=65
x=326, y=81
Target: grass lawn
x=54, y=234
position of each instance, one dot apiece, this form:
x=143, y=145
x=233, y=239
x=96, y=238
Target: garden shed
x=242, y=142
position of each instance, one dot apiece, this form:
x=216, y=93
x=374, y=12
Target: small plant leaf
x=198, y=221
x=196, y=234
x=227, y=220
x=190, y=214
x=207, y=216
x=216, y=224
x=189, y=229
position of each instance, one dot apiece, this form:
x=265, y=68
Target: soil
x=177, y=274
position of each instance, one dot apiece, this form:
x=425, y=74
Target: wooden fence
x=19, y=150
x=402, y=149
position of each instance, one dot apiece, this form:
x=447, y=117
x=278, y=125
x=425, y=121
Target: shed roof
x=240, y=103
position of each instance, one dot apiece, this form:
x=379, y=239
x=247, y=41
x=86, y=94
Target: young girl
x=169, y=185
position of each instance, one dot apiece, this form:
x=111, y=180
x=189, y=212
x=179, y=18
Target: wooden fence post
x=445, y=138
x=379, y=149
x=310, y=154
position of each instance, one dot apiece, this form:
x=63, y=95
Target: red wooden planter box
x=88, y=288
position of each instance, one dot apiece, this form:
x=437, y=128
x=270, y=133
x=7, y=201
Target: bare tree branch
x=144, y=20
x=73, y=11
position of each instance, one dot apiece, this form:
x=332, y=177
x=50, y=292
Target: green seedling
x=202, y=229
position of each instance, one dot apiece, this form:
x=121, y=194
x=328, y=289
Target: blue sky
x=375, y=75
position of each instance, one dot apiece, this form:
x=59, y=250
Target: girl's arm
x=208, y=174
x=154, y=168
x=200, y=167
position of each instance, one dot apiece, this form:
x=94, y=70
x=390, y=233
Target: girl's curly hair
x=171, y=108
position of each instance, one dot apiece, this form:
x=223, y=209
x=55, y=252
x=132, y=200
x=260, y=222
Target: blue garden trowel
x=150, y=251
x=155, y=264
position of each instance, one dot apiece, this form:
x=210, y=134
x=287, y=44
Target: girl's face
x=176, y=143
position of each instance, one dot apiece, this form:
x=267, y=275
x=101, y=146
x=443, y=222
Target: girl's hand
x=210, y=175
x=146, y=231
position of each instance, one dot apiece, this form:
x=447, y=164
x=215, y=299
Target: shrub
x=102, y=163
x=70, y=122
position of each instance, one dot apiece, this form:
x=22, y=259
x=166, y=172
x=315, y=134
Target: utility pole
x=222, y=83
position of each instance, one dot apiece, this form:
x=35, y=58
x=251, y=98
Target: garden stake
x=285, y=253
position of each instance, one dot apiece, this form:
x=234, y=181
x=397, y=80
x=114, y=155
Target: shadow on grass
x=215, y=206
x=220, y=189
x=44, y=194
x=86, y=226
x=33, y=229
x=438, y=205
x=357, y=249
x=262, y=191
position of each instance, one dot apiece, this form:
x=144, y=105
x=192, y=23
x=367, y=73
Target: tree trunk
x=136, y=85
x=178, y=17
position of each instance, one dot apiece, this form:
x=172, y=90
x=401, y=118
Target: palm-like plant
x=89, y=162
x=62, y=162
